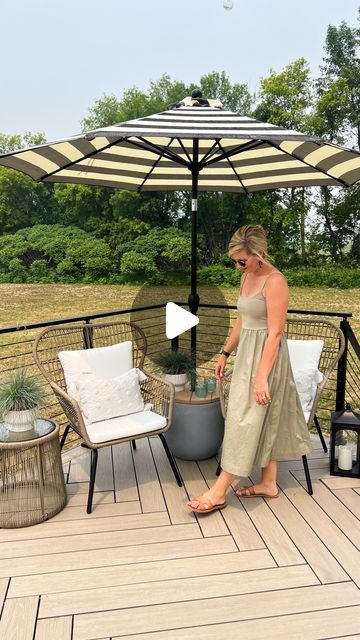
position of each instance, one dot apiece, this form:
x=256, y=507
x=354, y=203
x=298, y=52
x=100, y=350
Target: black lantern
x=345, y=442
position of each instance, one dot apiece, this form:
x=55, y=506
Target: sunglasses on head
x=241, y=263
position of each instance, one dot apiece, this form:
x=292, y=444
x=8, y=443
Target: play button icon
x=178, y=320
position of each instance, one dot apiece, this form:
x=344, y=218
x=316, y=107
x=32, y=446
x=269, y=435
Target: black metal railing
x=215, y=322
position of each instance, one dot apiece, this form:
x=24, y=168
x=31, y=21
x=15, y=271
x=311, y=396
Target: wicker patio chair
x=154, y=390
x=334, y=344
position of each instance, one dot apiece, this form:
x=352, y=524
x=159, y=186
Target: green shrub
x=327, y=276
x=219, y=276
x=136, y=267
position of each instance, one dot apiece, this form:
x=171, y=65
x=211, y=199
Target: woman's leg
x=216, y=494
x=266, y=486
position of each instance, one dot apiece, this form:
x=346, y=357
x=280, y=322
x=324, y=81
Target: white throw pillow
x=101, y=399
x=304, y=359
x=103, y=362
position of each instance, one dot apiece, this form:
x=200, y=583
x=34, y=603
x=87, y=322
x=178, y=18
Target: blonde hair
x=253, y=239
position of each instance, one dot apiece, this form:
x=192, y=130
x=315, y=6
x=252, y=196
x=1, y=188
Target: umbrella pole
x=193, y=298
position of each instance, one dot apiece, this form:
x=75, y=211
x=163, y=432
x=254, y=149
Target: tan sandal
x=250, y=493
x=205, y=506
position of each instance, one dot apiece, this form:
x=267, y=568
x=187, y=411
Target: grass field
x=25, y=304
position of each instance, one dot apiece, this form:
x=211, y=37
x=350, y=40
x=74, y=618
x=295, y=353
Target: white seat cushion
x=103, y=362
x=125, y=426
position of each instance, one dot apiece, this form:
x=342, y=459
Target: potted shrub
x=176, y=366
x=21, y=395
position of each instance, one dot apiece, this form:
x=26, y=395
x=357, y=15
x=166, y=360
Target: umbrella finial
x=196, y=100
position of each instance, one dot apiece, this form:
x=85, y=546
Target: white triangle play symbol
x=178, y=320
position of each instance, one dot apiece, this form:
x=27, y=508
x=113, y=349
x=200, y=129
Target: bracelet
x=224, y=353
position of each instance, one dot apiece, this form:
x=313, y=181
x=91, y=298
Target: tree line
x=72, y=233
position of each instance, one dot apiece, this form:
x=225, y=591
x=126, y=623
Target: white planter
x=21, y=420
x=178, y=380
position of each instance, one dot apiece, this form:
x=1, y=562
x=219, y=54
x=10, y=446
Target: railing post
x=341, y=369
x=88, y=334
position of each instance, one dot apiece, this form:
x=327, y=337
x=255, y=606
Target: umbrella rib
x=210, y=152
x=154, y=165
x=69, y=164
x=233, y=168
x=184, y=150
x=227, y=154
x=159, y=150
x=293, y=155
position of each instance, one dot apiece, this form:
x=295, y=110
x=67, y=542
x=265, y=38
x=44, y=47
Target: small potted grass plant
x=176, y=366
x=21, y=396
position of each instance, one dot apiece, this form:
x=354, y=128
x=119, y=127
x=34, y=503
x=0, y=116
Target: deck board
x=18, y=618
x=317, y=625
x=325, y=528
x=151, y=496
x=228, y=609
x=235, y=516
x=187, y=589
x=142, y=566
x=350, y=499
x=54, y=629
x=124, y=473
x=143, y=572
x=117, y=555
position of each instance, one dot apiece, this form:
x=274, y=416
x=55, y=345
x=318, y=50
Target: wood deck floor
x=141, y=566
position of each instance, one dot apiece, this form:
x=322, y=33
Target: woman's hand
x=261, y=391
x=220, y=366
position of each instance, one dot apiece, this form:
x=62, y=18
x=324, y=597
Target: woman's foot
x=207, y=502
x=258, y=491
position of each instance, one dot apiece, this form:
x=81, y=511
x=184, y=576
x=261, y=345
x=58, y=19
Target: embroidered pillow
x=101, y=399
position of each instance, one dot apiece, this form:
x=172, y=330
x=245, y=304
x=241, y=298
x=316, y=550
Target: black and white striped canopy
x=235, y=153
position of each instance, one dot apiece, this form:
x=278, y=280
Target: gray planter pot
x=197, y=430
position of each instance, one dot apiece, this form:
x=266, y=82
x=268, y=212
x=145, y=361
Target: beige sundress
x=256, y=434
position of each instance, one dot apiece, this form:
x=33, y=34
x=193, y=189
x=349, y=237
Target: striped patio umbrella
x=195, y=145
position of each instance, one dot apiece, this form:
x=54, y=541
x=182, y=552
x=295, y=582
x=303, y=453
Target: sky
x=57, y=58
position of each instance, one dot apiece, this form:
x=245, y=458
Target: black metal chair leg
x=320, y=433
x=171, y=460
x=64, y=435
x=133, y=444
x=307, y=475
x=218, y=470
x=94, y=459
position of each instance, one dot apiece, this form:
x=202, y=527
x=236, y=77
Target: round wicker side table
x=32, y=486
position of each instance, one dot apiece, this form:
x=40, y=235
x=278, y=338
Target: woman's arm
x=234, y=336
x=229, y=346
x=277, y=298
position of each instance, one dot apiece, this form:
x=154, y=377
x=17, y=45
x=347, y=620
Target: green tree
x=337, y=117
x=83, y=206
x=285, y=100
x=285, y=97
x=23, y=202
x=235, y=97
x=342, y=64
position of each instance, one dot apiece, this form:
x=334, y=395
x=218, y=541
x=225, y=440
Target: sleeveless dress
x=256, y=434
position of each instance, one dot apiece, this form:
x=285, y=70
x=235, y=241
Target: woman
x=265, y=422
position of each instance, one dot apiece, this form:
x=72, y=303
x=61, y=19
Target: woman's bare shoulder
x=275, y=280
